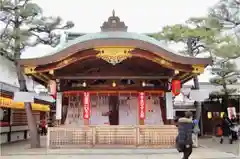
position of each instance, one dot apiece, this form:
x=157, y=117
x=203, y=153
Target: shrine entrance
x=113, y=88
x=113, y=114
x=113, y=108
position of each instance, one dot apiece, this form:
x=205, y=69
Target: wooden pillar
x=162, y=105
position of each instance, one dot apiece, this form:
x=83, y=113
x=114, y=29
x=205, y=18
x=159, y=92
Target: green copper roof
x=112, y=35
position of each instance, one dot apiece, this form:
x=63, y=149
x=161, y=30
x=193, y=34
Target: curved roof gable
x=114, y=33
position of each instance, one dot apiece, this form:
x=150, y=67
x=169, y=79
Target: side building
x=212, y=108
x=13, y=124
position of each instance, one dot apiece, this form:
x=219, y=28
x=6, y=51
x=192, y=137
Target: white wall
x=9, y=75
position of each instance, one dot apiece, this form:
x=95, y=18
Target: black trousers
x=187, y=151
x=44, y=131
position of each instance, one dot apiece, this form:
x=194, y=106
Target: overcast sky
x=142, y=16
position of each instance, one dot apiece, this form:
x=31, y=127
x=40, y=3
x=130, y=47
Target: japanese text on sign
x=142, y=105
x=86, y=105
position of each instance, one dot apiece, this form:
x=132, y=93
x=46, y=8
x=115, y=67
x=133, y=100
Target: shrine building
x=114, y=88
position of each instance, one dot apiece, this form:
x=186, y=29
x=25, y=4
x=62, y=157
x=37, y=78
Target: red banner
x=142, y=105
x=86, y=105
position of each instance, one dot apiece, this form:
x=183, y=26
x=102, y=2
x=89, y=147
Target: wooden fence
x=112, y=137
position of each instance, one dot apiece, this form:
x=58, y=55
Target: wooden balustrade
x=105, y=136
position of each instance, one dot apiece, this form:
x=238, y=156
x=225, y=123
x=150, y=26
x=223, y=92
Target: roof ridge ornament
x=113, y=13
x=113, y=24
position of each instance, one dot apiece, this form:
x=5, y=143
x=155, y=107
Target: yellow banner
x=9, y=103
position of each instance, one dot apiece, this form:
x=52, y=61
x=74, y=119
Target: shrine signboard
x=86, y=105
x=142, y=105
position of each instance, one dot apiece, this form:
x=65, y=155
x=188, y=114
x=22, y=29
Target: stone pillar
x=59, y=106
x=169, y=108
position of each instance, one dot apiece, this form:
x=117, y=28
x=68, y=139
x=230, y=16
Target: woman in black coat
x=184, y=139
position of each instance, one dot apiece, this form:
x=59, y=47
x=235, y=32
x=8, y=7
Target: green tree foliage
x=25, y=26
x=196, y=30
x=228, y=49
x=226, y=16
x=197, y=37
x=225, y=74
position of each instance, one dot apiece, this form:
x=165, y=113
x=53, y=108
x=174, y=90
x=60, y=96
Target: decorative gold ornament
x=114, y=84
x=176, y=72
x=66, y=62
x=143, y=84
x=29, y=70
x=198, y=69
x=163, y=62
x=84, y=84
x=114, y=55
x=51, y=72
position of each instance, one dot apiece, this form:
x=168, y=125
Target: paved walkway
x=213, y=143
x=21, y=150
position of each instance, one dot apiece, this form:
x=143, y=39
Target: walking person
x=184, y=139
x=234, y=129
x=44, y=126
x=226, y=125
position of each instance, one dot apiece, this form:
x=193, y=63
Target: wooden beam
x=40, y=78
x=44, y=76
x=110, y=88
x=111, y=77
x=160, y=92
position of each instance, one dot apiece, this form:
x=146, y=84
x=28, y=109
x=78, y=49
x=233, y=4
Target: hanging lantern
x=222, y=114
x=209, y=115
x=176, y=87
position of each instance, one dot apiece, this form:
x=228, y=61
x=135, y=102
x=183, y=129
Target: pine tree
x=226, y=13
x=226, y=16
x=25, y=26
x=197, y=38
x=225, y=73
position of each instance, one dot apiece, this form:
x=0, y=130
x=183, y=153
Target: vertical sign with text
x=59, y=106
x=86, y=105
x=231, y=112
x=142, y=105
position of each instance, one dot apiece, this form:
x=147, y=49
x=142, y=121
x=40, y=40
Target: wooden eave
x=43, y=68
